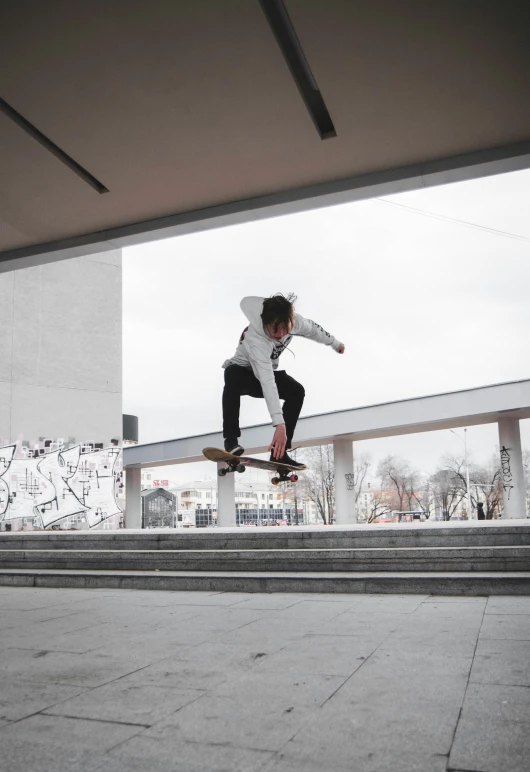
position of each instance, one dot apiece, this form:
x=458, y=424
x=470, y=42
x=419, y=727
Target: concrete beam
x=470, y=407
x=483, y=163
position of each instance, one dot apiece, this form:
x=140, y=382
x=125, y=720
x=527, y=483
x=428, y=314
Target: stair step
x=489, y=558
x=430, y=583
x=280, y=538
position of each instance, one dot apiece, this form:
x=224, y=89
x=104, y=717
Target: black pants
x=241, y=380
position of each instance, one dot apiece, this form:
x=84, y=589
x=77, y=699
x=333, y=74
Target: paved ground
x=130, y=681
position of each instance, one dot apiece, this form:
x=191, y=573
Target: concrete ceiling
x=186, y=109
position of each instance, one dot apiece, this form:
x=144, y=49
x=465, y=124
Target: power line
x=446, y=218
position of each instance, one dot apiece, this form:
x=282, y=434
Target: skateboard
x=286, y=472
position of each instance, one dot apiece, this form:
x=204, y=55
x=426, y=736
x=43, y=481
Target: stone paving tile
x=20, y=699
x=427, y=631
x=20, y=602
x=268, y=634
x=353, y=623
x=320, y=654
x=24, y=756
x=456, y=599
x=497, y=702
x=31, y=630
x=140, y=618
x=314, y=611
x=506, y=626
x=457, y=610
x=91, y=669
x=272, y=601
x=14, y=618
x=156, y=598
x=178, y=673
x=232, y=657
x=42, y=597
x=502, y=662
x=77, y=640
x=401, y=674
x=146, y=649
x=209, y=599
x=214, y=620
x=73, y=733
x=146, y=754
x=250, y=711
x=507, y=604
x=487, y=746
x=167, y=598
x=357, y=759
x=392, y=714
x=397, y=604
x=125, y=702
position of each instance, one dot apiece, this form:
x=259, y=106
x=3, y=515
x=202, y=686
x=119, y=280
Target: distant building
x=159, y=509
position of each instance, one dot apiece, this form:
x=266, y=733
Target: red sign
x=160, y=483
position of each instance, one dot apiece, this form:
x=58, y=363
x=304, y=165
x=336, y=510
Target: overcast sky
x=423, y=304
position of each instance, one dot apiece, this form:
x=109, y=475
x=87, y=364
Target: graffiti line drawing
x=350, y=481
x=507, y=477
x=55, y=482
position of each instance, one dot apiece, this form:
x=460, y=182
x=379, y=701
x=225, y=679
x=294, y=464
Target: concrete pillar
x=344, y=491
x=133, y=498
x=512, y=473
x=226, y=499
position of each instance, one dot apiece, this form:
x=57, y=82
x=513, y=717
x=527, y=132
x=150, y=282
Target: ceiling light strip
x=286, y=37
x=51, y=147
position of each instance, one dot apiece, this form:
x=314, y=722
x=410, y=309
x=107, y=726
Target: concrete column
x=133, y=498
x=226, y=499
x=512, y=473
x=344, y=492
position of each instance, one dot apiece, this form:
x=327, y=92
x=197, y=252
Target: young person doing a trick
x=253, y=371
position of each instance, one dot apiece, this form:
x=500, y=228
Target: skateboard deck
x=286, y=472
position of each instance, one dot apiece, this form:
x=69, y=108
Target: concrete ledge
x=457, y=583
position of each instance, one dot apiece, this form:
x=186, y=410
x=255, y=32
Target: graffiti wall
x=51, y=484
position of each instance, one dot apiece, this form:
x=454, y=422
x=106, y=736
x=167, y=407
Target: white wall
x=61, y=351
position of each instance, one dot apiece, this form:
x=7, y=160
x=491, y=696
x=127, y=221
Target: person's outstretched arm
x=307, y=328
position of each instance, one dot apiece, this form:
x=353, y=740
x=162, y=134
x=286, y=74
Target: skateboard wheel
x=275, y=480
x=294, y=478
x=240, y=468
x=222, y=472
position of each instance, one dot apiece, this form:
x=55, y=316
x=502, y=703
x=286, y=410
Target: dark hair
x=278, y=310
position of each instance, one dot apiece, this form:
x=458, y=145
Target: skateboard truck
x=232, y=467
x=284, y=478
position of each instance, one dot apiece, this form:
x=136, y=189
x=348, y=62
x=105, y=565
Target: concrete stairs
x=454, y=560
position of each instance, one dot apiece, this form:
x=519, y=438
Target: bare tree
x=405, y=483
x=485, y=483
x=448, y=483
x=318, y=481
x=381, y=504
x=360, y=470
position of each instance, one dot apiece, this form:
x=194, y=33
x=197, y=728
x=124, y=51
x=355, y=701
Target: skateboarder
x=253, y=370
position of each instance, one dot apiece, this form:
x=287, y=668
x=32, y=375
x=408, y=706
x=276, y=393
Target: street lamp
x=469, y=510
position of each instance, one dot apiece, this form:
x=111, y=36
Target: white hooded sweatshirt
x=260, y=353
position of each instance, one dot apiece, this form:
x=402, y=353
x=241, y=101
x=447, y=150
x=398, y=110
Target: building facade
x=61, y=394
